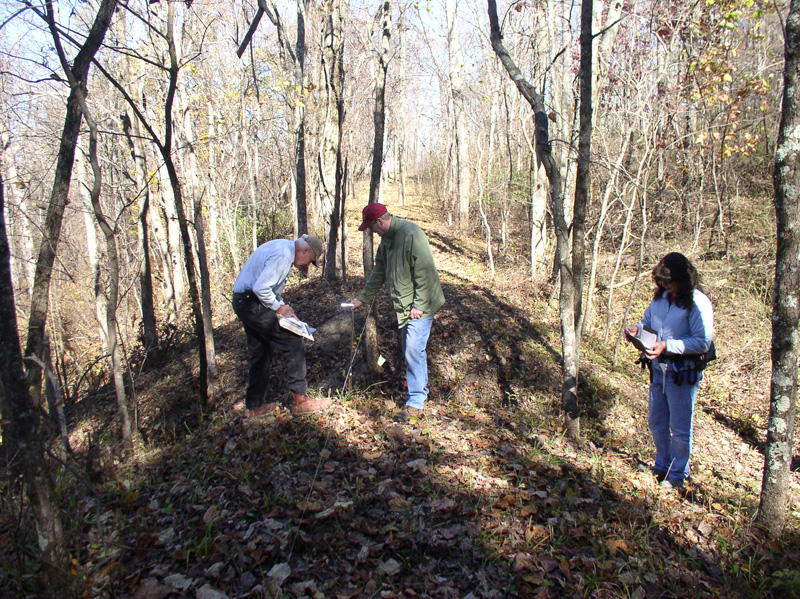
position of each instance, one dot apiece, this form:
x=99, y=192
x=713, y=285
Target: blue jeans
x=670, y=415
x=415, y=340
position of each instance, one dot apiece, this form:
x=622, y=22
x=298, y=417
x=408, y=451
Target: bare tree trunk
x=583, y=181
x=623, y=248
x=331, y=144
x=133, y=134
x=231, y=235
x=639, y=271
x=598, y=235
x=485, y=220
x=569, y=345
x=160, y=233
x=199, y=227
x=775, y=485
x=172, y=235
x=20, y=201
x=93, y=255
x=379, y=111
x=205, y=286
x=109, y=232
x=538, y=219
x=61, y=183
x=538, y=212
x=21, y=428
x=213, y=207
x=149, y=327
x=301, y=205
x=401, y=133
x=456, y=62
x=510, y=181
x=166, y=152
x=379, y=115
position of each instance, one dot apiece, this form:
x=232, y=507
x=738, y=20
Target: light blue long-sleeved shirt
x=685, y=331
x=266, y=271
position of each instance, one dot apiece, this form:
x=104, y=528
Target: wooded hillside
x=552, y=152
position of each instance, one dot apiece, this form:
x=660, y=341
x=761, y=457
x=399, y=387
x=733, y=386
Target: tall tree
x=188, y=252
x=569, y=284
x=196, y=193
x=583, y=181
x=378, y=119
x=133, y=134
x=775, y=488
x=59, y=195
x=110, y=234
x=459, y=117
x=379, y=113
x=330, y=142
x=300, y=120
x=165, y=149
x=21, y=426
x=294, y=61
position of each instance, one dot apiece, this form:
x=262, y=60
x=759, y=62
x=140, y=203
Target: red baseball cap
x=370, y=213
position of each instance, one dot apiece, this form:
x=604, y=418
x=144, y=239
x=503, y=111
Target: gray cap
x=315, y=244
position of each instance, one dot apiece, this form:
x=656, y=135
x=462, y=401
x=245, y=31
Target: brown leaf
x=395, y=432
x=537, y=533
x=525, y=562
x=616, y=546
x=144, y=542
x=211, y=515
x=564, y=567
x=209, y=592
x=151, y=589
x=309, y=506
x=705, y=529
x=399, y=503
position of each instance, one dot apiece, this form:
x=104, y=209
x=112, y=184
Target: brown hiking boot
x=407, y=413
x=303, y=404
x=261, y=410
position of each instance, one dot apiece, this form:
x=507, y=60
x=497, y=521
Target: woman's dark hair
x=676, y=267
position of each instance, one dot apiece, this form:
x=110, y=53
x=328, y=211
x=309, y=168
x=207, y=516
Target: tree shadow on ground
x=482, y=498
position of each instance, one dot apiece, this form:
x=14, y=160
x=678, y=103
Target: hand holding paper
x=298, y=327
x=642, y=337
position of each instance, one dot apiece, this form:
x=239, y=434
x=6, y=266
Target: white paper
x=298, y=327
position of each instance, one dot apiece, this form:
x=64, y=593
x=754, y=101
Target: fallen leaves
x=617, y=546
x=390, y=567
x=478, y=498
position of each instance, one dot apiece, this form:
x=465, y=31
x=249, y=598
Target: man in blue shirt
x=258, y=302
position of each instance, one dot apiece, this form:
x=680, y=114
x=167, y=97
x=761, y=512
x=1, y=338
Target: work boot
x=303, y=404
x=261, y=410
x=407, y=413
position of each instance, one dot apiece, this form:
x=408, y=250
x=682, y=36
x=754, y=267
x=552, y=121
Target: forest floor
x=481, y=497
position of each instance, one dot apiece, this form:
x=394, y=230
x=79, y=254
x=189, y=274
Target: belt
x=246, y=295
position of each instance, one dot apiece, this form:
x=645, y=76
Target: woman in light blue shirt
x=683, y=318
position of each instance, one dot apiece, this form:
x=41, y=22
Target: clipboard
x=644, y=339
x=298, y=327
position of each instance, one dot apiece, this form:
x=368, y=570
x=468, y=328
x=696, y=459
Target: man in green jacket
x=405, y=263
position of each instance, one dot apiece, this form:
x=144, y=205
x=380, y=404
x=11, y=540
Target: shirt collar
x=392, y=228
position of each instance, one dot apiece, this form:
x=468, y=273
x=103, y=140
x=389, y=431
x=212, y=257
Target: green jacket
x=405, y=263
